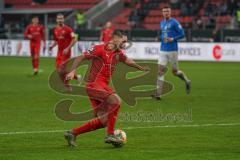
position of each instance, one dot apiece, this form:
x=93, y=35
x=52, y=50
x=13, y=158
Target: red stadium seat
x=176, y=12
x=151, y=26
x=161, y=5
x=74, y=4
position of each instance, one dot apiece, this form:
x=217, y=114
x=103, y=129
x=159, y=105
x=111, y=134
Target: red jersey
x=63, y=36
x=103, y=62
x=107, y=35
x=36, y=31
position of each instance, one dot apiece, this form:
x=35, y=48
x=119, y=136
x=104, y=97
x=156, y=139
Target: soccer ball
x=122, y=136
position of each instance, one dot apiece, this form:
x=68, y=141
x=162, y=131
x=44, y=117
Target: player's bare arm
x=168, y=40
x=43, y=38
x=53, y=45
x=76, y=63
x=29, y=36
x=101, y=37
x=130, y=62
x=74, y=40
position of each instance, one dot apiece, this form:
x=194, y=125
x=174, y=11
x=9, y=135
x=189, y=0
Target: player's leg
x=109, y=108
x=99, y=122
x=32, y=51
x=92, y=125
x=113, y=102
x=36, y=57
x=113, y=105
x=180, y=74
x=162, y=68
x=96, y=95
x=60, y=68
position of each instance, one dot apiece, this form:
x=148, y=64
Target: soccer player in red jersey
x=106, y=33
x=65, y=38
x=35, y=33
x=105, y=102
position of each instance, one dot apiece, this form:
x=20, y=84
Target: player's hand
x=29, y=36
x=66, y=51
x=70, y=75
x=145, y=68
x=167, y=40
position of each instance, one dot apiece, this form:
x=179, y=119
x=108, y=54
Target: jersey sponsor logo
x=166, y=27
x=61, y=37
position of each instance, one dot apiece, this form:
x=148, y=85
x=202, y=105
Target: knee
x=114, y=99
x=104, y=121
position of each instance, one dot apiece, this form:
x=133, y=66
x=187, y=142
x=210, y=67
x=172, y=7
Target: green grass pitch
x=27, y=104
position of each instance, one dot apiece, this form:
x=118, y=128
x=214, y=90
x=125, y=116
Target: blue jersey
x=172, y=29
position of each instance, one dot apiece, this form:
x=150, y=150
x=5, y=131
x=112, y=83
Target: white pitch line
x=31, y=132
x=128, y=128
x=184, y=126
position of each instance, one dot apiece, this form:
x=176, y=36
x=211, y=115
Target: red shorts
x=61, y=60
x=98, y=92
x=35, y=48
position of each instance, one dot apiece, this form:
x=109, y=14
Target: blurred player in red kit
x=65, y=38
x=106, y=33
x=105, y=102
x=35, y=33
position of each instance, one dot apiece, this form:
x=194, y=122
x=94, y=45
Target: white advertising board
x=138, y=50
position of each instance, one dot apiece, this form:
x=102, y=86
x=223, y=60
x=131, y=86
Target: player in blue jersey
x=171, y=32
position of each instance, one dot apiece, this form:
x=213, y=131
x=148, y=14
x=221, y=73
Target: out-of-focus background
x=203, y=20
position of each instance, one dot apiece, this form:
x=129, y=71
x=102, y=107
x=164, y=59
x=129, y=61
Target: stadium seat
x=74, y=4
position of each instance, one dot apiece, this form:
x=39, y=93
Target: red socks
x=35, y=63
x=97, y=124
x=112, y=117
x=88, y=127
